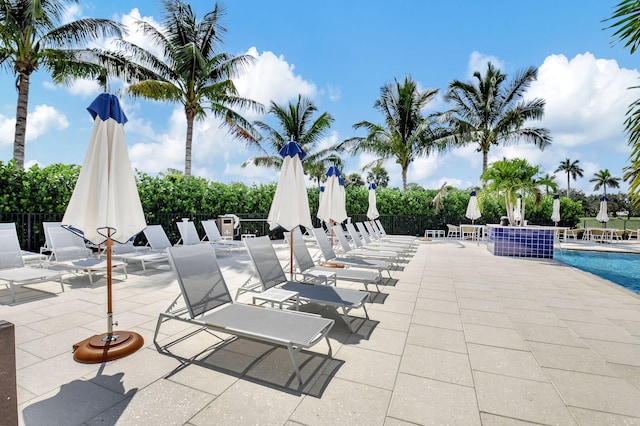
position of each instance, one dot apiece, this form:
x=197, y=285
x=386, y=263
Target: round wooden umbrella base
x=107, y=347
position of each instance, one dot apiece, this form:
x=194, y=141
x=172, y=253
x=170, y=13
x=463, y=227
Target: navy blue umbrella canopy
x=372, y=211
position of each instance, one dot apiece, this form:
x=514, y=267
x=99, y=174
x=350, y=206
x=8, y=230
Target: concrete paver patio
x=460, y=337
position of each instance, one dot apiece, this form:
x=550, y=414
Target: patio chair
x=214, y=237
x=347, y=250
x=306, y=265
x=71, y=253
x=330, y=256
x=28, y=257
x=374, y=234
x=130, y=253
x=188, y=233
x=157, y=238
x=370, y=239
x=13, y=271
x=208, y=305
x=271, y=275
x=356, y=238
x=47, y=249
x=395, y=236
x=453, y=231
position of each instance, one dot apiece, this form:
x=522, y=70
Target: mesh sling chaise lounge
x=361, y=244
x=374, y=234
x=270, y=274
x=130, y=254
x=384, y=234
x=307, y=265
x=214, y=236
x=157, y=238
x=13, y=272
x=210, y=306
x=29, y=257
x=359, y=252
x=70, y=253
x=371, y=240
x=330, y=255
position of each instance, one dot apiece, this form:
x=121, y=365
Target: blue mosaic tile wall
x=520, y=242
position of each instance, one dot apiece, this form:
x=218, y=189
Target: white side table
x=279, y=296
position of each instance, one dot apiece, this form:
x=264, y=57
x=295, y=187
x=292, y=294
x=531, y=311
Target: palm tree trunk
x=21, y=119
x=404, y=177
x=485, y=160
x=568, y=184
x=187, y=151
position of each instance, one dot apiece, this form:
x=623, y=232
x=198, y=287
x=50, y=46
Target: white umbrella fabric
x=473, y=212
x=290, y=206
x=333, y=202
x=602, y=216
x=555, y=214
x=372, y=211
x=105, y=207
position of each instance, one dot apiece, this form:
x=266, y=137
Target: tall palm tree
x=406, y=133
x=296, y=123
x=32, y=37
x=626, y=23
x=572, y=169
x=603, y=179
x=192, y=71
x=492, y=111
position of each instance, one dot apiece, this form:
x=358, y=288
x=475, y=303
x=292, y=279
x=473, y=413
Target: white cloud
x=133, y=33
x=271, y=78
x=479, y=61
x=42, y=120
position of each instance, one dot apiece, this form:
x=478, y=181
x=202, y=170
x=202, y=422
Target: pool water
x=621, y=268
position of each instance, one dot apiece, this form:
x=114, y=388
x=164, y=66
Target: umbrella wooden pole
x=109, y=244
x=291, y=254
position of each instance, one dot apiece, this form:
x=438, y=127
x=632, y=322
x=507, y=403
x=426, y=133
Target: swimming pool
x=621, y=268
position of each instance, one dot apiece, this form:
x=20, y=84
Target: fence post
x=8, y=384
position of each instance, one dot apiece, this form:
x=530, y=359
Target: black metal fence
x=31, y=233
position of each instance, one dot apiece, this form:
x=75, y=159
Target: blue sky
x=340, y=53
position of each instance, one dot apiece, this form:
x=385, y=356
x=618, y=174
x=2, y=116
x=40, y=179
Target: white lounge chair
x=157, y=238
x=370, y=240
x=376, y=235
x=188, y=233
x=270, y=274
x=306, y=265
x=28, y=257
x=384, y=233
x=71, y=253
x=349, y=251
x=130, y=253
x=214, y=237
x=13, y=271
x=358, y=262
x=210, y=306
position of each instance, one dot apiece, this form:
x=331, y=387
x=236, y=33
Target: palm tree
x=379, y=176
x=295, y=120
x=603, y=179
x=626, y=24
x=548, y=189
x=406, y=134
x=192, y=71
x=510, y=178
x=491, y=112
x=572, y=169
x=32, y=38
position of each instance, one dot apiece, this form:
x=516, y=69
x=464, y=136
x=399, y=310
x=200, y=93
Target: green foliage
x=48, y=190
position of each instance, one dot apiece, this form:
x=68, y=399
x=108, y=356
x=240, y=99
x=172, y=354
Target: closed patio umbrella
x=473, y=212
x=332, y=205
x=602, y=216
x=290, y=206
x=105, y=207
x=372, y=211
x=555, y=214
